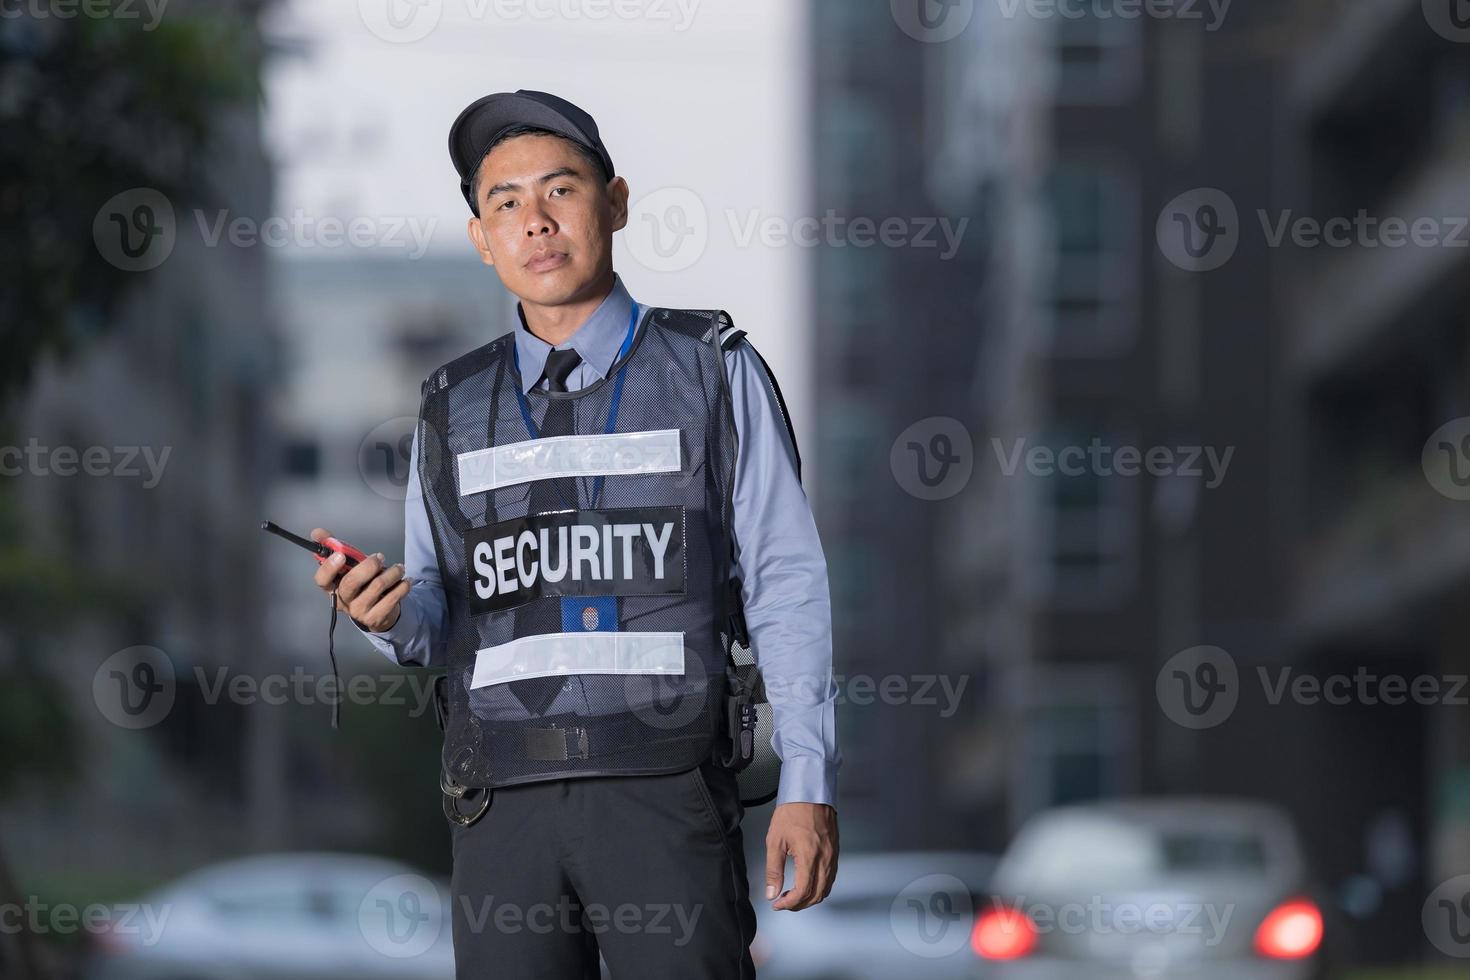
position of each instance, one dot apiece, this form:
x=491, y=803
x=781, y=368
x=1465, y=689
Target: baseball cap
x=485, y=119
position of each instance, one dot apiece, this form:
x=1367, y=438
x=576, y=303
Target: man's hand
x=808, y=832
x=369, y=593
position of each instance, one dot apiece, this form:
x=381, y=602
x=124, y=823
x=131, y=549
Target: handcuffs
x=454, y=791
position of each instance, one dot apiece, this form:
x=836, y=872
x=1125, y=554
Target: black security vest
x=618, y=603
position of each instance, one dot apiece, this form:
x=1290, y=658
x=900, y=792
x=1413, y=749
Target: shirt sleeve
x=417, y=639
x=783, y=573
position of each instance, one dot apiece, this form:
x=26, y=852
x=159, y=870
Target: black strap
x=332, y=653
x=728, y=340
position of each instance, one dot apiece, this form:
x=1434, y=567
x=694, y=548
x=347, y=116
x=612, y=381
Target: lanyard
x=612, y=409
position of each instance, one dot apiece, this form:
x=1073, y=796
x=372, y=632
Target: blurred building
x=1050, y=587
x=165, y=411
x=1375, y=357
x=896, y=336
x=359, y=335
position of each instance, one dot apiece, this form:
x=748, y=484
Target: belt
x=548, y=743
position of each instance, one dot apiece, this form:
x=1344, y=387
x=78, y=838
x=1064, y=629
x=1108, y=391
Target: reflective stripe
x=616, y=454
x=550, y=654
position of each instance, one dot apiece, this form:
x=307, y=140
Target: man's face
x=546, y=219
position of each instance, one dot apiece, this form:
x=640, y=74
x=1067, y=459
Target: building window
x=1080, y=741
x=1099, y=59
x=1084, y=520
x=1091, y=297
x=855, y=141
x=301, y=458
x=852, y=290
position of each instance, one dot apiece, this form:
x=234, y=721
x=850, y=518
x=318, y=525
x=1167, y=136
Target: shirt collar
x=597, y=340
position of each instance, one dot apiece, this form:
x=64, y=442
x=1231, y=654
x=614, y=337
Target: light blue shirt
x=779, y=559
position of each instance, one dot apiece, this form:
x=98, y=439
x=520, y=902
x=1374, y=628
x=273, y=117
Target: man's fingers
x=775, y=866
x=827, y=877
x=382, y=612
x=376, y=592
x=328, y=572
x=376, y=580
x=803, y=880
x=356, y=580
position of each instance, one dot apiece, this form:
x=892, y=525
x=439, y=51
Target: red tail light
x=1003, y=934
x=1292, y=930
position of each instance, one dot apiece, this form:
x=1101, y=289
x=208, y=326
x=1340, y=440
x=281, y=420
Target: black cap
x=485, y=119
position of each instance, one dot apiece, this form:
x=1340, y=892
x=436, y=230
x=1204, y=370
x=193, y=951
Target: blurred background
x=1129, y=357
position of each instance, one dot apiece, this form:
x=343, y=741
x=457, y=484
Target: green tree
x=89, y=107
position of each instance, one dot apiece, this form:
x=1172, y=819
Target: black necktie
x=544, y=615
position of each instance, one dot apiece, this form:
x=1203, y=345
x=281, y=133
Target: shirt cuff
x=395, y=637
x=807, y=779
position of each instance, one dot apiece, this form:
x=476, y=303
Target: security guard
x=588, y=497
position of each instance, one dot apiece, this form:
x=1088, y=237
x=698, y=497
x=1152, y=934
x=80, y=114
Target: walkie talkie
x=323, y=550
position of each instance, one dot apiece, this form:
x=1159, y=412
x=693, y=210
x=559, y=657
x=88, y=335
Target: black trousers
x=648, y=870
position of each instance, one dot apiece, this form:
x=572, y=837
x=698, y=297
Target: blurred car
x=899, y=914
x=272, y=917
x=1200, y=889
